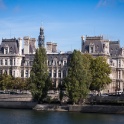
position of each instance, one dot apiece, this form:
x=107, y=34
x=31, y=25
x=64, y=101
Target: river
x=18, y=116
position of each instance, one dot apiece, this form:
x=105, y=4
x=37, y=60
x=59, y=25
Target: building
x=98, y=46
x=18, y=61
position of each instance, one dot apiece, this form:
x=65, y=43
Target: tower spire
x=41, y=37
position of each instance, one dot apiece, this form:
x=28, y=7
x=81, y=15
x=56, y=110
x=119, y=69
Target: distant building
x=98, y=46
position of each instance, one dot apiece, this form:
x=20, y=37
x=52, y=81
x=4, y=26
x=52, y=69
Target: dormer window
x=6, y=49
x=91, y=48
x=10, y=51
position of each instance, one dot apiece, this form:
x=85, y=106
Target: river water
x=18, y=116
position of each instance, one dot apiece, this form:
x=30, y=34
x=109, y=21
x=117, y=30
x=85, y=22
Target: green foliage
x=5, y=81
x=39, y=79
x=79, y=77
x=100, y=73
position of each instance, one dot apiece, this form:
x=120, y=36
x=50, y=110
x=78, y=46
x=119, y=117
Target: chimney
x=54, y=47
x=49, y=47
x=26, y=44
x=20, y=45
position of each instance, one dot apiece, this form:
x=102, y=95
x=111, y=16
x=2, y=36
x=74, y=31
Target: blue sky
x=64, y=21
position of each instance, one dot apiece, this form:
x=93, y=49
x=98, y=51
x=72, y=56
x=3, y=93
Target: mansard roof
x=13, y=45
x=97, y=41
x=114, y=48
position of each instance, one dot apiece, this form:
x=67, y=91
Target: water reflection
x=13, y=116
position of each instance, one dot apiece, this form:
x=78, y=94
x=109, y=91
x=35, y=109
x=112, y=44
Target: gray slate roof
x=12, y=43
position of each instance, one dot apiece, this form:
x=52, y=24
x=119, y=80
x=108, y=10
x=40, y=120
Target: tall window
x=64, y=73
x=50, y=74
x=54, y=75
x=10, y=50
x=119, y=63
x=6, y=50
x=1, y=72
x=14, y=61
x=1, y=62
x=59, y=74
x=119, y=74
x=10, y=72
x=5, y=71
x=91, y=49
x=64, y=62
x=10, y=61
x=22, y=73
x=26, y=73
x=6, y=62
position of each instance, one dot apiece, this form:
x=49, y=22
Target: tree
x=5, y=81
x=100, y=74
x=79, y=77
x=39, y=78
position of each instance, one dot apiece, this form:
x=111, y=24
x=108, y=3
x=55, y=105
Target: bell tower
x=41, y=38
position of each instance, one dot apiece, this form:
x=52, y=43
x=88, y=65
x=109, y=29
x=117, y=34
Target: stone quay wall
x=19, y=101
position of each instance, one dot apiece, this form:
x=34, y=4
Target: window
x=10, y=61
x=14, y=61
x=10, y=72
x=119, y=63
x=54, y=75
x=64, y=73
x=6, y=50
x=119, y=74
x=26, y=73
x=64, y=62
x=49, y=62
x=10, y=51
x=91, y=49
x=22, y=73
x=6, y=62
x=1, y=62
x=50, y=74
x=31, y=63
x=5, y=72
x=59, y=74
x=1, y=72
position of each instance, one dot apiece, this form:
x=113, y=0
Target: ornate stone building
x=98, y=46
x=17, y=61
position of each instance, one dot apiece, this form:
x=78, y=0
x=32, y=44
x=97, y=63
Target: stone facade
x=98, y=46
x=17, y=61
